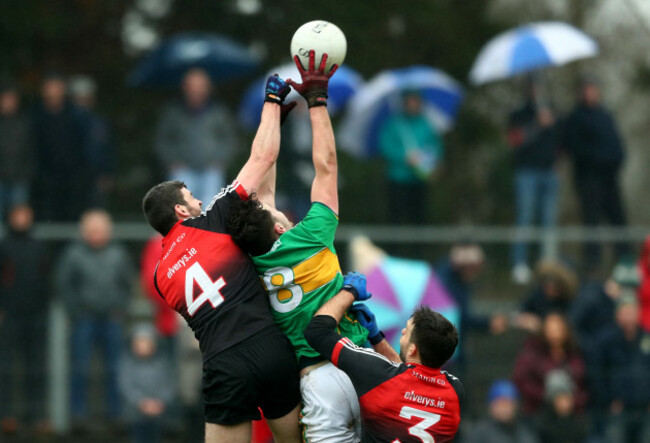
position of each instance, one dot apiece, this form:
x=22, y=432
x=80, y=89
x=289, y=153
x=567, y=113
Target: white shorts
x=330, y=412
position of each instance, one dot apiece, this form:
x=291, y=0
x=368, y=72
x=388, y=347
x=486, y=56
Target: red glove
x=314, y=82
x=285, y=110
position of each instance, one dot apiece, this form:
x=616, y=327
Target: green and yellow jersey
x=300, y=273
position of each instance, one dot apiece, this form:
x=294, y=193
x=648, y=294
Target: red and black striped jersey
x=212, y=283
x=399, y=403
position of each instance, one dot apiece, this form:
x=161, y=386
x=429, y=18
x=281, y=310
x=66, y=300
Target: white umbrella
x=531, y=47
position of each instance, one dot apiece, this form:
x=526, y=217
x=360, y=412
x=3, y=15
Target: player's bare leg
x=287, y=429
x=240, y=433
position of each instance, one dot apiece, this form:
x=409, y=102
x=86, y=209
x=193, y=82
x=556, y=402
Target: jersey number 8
x=285, y=296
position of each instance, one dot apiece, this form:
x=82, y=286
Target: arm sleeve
x=227, y=136
x=215, y=217
x=3, y=264
x=366, y=368
x=165, y=137
x=127, y=274
x=130, y=390
x=65, y=281
x=390, y=144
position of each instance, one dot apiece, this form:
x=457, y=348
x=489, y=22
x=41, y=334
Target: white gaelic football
x=324, y=38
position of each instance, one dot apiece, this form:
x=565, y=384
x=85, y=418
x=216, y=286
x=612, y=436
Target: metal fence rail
x=137, y=231
x=549, y=239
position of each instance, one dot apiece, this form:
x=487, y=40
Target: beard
x=402, y=354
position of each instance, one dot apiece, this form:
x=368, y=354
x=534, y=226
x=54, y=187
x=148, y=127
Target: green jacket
x=403, y=133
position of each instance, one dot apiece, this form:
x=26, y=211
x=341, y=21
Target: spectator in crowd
x=94, y=279
x=533, y=137
x=592, y=316
x=554, y=348
x=412, y=149
x=644, y=287
x=560, y=422
x=625, y=352
x=196, y=138
x=592, y=139
x=59, y=136
x=16, y=150
x=502, y=425
x=24, y=301
x=147, y=386
x=99, y=150
x=457, y=273
x=166, y=319
x=556, y=287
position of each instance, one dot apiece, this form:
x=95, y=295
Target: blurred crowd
x=59, y=155
x=583, y=371
x=582, y=374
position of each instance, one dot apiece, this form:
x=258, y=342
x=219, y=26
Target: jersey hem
x=246, y=341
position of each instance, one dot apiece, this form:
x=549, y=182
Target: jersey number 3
x=211, y=290
x=420, y=430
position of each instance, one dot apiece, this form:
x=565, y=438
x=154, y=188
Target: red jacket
x=644, y=287
x=166, y=318
x=533, y=363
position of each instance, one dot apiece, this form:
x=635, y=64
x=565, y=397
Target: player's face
x=405, y=339
x=193, y=204
x=280, y=219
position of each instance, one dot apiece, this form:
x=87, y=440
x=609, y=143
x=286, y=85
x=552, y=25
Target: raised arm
x=366, y=369
x=266, y=144
x=355, y=289
x=266, y=190
x=324, y=188
x=314, y=89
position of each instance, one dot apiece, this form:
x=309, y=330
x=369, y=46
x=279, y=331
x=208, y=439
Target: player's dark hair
x=158, y=205
x=436, y=337
x=251, y=226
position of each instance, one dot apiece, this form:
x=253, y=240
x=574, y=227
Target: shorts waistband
x=309, y=361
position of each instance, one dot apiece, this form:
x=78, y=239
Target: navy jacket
x=592, y=138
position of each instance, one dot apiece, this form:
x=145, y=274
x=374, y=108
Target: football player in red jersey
x=247, y=362
x=409, y=402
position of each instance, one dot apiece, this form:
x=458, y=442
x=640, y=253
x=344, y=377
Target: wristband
x=316, y=99
x=272, y=98
x=351, y=289
x=377, y=338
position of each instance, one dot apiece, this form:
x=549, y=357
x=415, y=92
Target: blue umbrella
x=380, y=97
x=220, y=56
x=531, y=47
x=343, y=85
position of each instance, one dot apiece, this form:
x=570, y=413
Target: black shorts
x=258, y=372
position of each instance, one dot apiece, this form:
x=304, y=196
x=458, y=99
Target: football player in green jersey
x=300, y=270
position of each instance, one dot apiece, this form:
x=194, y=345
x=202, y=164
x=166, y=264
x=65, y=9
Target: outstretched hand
x=355, y=282
x=367, y=319
x=314, y=81
x=276, y=90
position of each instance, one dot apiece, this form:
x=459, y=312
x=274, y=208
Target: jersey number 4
x=211, y=290
x=419, y=430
